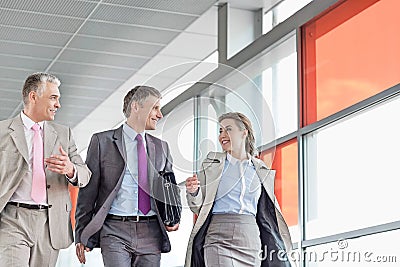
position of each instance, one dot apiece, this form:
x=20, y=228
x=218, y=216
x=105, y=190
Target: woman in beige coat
x=239, y=220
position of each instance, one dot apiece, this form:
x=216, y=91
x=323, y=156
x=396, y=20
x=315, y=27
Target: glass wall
x=285, y=162
x=352, y=172
x=377, y=250
x=347, y=139
x=350, y=54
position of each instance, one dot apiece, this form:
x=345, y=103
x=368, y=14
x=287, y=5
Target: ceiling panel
x=90, y=99
x=183, y=6
x=95, y=71
x=11, y=85
x=102, y=59
x=128, y=32
x=8, y=94
x=72, y=8
x=74, y=80
x=7, y=105
x=114, y=46
x=76, y=91
x=79, y=106
x=33, y=36
x=13, y=48
x=5, y=110
x=23, y=62
x=39, y=21
x=15, y=74
x=123, y=14
x=93, y=46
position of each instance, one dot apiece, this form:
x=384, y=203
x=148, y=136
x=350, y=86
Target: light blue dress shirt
x=239, y=189
x=126, y=202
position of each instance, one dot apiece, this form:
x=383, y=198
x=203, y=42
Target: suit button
x=48, y=186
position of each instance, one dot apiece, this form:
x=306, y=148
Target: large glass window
x=350, y=54
x=352, y=172
x=378, y=250
x=265, y=89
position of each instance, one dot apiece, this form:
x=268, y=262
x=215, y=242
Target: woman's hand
x=192, y=184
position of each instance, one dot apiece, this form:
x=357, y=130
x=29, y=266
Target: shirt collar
x=131, y=133
x=232, y=160
x=28, y=122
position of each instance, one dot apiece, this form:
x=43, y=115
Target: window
x=285, y=162
x=376, y=250
x=352, y=172
x=350, y=54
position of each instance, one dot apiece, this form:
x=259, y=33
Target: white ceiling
x=93, y=46
x=102, y=48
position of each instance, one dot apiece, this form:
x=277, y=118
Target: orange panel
x=286, y=180
x=73, y=193
x=349, y=54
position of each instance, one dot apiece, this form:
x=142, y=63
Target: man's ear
x=32, y=96
x=134, y=106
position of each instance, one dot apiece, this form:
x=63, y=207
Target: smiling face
x=153, y=109
x=231, y=137
x=146, y=115
x=43, y=106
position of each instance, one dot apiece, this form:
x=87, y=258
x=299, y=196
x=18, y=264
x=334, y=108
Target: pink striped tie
x=38, y=192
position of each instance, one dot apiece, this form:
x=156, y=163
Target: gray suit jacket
x=106, y=158
x=14, y=164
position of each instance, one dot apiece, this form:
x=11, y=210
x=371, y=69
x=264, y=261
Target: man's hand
x=80, y=252
x=60, y=164
x=172, y=228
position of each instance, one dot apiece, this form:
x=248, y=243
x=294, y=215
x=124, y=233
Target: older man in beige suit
x=38, y=160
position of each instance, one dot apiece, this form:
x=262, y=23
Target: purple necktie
x=144, y=198
x=38, y=192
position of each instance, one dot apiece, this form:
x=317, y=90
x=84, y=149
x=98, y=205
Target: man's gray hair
x=37, y=82
x=138, y=94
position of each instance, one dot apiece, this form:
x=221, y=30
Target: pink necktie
x=144, y=198
x=38, y=192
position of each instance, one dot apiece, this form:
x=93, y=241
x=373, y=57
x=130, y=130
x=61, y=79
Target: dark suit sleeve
x=88, y=195
x=83, y=173
x=168, y=163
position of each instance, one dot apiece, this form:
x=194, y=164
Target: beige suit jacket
x=14, y=165
x=209, y=178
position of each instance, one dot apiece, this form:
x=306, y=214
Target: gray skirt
x=232, y=240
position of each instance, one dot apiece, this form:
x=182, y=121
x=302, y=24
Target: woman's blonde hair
x=244, y=124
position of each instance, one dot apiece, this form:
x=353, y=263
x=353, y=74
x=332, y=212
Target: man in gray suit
x=34, y=201
x=117, y=211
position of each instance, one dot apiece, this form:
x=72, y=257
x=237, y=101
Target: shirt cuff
x=74, y=178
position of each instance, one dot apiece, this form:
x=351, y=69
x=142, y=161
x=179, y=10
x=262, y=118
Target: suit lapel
x=50, y=138
x=18, y=136
x=213, y=174
x=119, y=142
